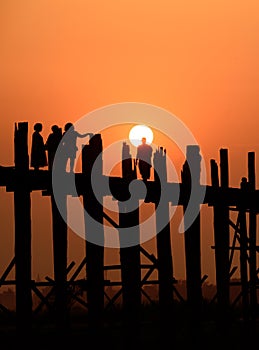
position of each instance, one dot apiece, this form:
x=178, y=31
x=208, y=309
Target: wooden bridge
x=20, y=180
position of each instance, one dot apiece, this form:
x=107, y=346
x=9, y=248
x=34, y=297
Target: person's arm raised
x=84, y=135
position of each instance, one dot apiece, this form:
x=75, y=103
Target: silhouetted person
x=52, y=143
x=69, y=143
x=38, y=154
x=143, y=159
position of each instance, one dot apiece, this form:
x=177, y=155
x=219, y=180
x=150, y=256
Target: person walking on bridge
x=143, y=159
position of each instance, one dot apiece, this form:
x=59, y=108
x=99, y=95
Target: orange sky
x=62, y=59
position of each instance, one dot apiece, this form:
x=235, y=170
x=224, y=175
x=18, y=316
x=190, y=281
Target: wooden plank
x=229, y=196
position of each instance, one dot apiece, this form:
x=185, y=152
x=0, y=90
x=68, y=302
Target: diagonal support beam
x=7, y=271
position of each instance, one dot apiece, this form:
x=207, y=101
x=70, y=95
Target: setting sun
x=139, y=131
x=144, y=242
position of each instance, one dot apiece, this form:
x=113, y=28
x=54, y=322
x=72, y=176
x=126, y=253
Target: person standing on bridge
x=52, y=143
x=143, y=159
x=38, y=154
x=70, y=148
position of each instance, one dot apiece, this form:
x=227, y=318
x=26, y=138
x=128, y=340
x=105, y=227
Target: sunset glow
x=139, y=131
x=63, y=59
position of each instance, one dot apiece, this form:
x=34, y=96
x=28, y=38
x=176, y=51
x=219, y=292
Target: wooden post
x=214, y=173
x=224, y=172
x=222, y=235
x=252, y=241
x=22, y=211
x=164, y=253
x=59, y=232
x=191, y=177
x=221, y=240
x=94, y=233
x=130, y=260
x=60, y=181
x=243, y=240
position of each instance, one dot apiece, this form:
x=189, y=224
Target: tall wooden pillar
x=22, y=211
x=243, y=240
x=191, y=177
x=252, y=241
x=59, y=232
x=94, y=234
x=60, y=185
x=221, y=239
x=130, y=259
x=164, y=253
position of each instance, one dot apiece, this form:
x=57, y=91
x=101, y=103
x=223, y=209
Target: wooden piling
x=221, y=240
x=252, y=241
x=130, y=259
x=214, y=173
x=59, y=234
x=59, y=187
x=22, y=214
x=191, y=177
x=243, y=241
x=92, y=157
x=224, y=168
x=164, y=252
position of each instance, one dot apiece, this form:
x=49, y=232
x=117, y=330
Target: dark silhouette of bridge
x=21, y=180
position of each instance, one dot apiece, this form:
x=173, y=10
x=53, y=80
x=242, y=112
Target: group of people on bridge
x=39, y=158
x=68, y=140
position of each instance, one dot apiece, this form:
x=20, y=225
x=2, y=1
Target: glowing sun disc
x=137, y=132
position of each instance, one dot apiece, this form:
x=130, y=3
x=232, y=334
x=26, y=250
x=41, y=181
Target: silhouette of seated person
x=143, y=159
x=52, y=143
x=38, y=154
x=69, y=141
